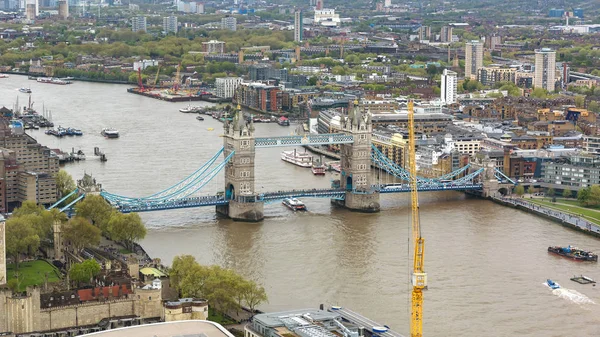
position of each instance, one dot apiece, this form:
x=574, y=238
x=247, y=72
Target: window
x=245, y=174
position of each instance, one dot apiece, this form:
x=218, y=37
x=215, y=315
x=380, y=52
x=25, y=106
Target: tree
x=539, y=93
x=254, y=295
x=41, y=219
x=567, y=193
x=180, y=268
x=550, y=192
x=579, y=101
x=64, y=183
x=593, y=106
x=312, y=81
x=583, y=195
x=126, y=227
x=21, y=238
x=84, y=271
x=519, y=190
x=81, y=233
x=594, y=197
x=95, y=209
x=530, y=190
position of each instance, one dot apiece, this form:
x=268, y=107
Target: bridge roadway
x=333, y=193
x=362, y=321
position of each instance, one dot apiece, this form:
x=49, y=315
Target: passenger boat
x=25, y=90
x=294, y=204
x=302, y=159
x=110, y=133
x=283, y=121
x=573, y=253
x=553, y=285
x=3, y=76
x=200, y=118
x=318, y=170
x=190, y=109
x=52, y=80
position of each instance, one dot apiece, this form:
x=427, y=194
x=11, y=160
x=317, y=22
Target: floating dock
x=582, y=279
x=163, y=95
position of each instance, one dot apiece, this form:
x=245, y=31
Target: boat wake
x=571, y=295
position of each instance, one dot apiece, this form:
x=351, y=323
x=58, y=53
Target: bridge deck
x=320, y=139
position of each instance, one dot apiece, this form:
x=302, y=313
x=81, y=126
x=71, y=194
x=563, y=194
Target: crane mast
x=419, y=277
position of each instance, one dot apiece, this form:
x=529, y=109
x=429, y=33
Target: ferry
x=573, y=253
x=3, y=76
x=190, y=109
x=110, y=133
x=318, y=170
x=283, y=121
x=294, y=204
x=52, y=80
x=335, y=166
x=302, y=159
x=25, y=90
x=553, y=285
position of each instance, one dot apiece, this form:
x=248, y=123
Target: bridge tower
x=239, y=171
x=356, y=178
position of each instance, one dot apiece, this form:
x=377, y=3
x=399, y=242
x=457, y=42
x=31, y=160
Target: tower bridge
x=239, y=200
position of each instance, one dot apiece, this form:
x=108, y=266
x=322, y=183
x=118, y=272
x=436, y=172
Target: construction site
x=177, y=92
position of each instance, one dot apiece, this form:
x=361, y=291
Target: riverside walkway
x=574, y=221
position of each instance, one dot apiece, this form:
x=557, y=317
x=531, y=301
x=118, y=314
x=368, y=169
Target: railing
x=320, y=139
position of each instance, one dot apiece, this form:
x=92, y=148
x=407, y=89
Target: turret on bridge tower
x=239, y=172
x=355, y=177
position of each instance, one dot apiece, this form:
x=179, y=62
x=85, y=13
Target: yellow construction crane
x=419, y=277
x=156, y=78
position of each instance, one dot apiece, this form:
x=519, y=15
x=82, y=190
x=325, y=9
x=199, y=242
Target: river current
x=486, y=263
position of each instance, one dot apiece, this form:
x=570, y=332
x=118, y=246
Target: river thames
x=486, y=263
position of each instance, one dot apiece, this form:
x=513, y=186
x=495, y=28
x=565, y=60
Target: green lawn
x=218, y=317
x=33, y=273
x=588, y=214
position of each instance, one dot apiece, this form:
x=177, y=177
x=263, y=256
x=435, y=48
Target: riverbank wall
x=565, y=219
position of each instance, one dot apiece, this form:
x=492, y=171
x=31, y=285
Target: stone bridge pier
x=492, y=187
x=239, y=171
x=355, y=176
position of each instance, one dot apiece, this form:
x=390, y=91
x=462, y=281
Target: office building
x=229, y=23
x=138, y=24
x=473, y=59
x=446, y=34
x=489, y=76
x=213, y=46
x=226, y=86
x=170, y=24
x=577, y=172
x=30, y=12
x=449, y=86
x=545, y=69
x=298, y=26
x=63, y=9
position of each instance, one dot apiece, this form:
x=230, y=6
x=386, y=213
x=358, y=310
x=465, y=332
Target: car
x=520, y=180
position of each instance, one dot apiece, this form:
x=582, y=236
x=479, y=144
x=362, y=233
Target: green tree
x=530, y=190
x=519, y=190
x=539, y=93
x=254, y=295
x=84, y=271
x=126, y=227
x=550, y=192
x=593, y=106
x=567, y=193
x=21, y=238
x=81, y=233
x=95, y=209
x=180, y=268
x=594, y=197
x=312, y=81
x=579, y=101
x=64, y=183
x=583, y=195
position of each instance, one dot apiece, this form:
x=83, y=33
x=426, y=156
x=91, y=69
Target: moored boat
x=573, y=253
x=25, y=90
x=110, y=133
x=318, y=170
x=3, y=76
x=200, y=118
x=190, y=109
x=283, y=121
x=52, y=80
x=294, y=204
x=302, y=159
x=553, y=285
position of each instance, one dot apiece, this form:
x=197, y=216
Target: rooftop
x=195, y=328
x=276, y=319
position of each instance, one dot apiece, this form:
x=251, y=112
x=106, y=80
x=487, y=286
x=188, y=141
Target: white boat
x=189, y=109
x=302, y=159
x=110, y=133
x=25, y=90
x=3, y=76
x=294, y=204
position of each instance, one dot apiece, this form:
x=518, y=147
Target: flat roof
x=152, y=271
x=194, y=328
x=273, y=319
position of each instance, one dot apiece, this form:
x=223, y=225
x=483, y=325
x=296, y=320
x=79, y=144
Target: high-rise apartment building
x=424, y=33
x=138, y=23
x=30, y=11
x=545, y=69
x=446, y=34
x=229, y=23
x=473, y=59
x=170, y=24
x=449, y=86
x=213, y=46
x=298, y=26
x=226, y=86
x=63, y=9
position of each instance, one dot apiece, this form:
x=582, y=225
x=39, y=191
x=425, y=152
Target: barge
x=573, y=253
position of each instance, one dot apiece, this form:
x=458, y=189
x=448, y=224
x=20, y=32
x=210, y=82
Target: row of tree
x=223, y=288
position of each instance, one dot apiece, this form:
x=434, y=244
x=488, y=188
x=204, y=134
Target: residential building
x=449, y=86
x=392, y=144
x=473, y=59
x=226, y=86
x=469, y=145
x=138, y=24
x=493, y=74
x=327, y=17
x=446, y=34
x=229, y=23
x=258, y=96
x=298, y=26
x=424, y=33
x=591, y=144
x=63, y=9
x=545, y=69
x=143, y=64
x=574, y=172
x=170, y=24
x=30, y=11
x=213, y=46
